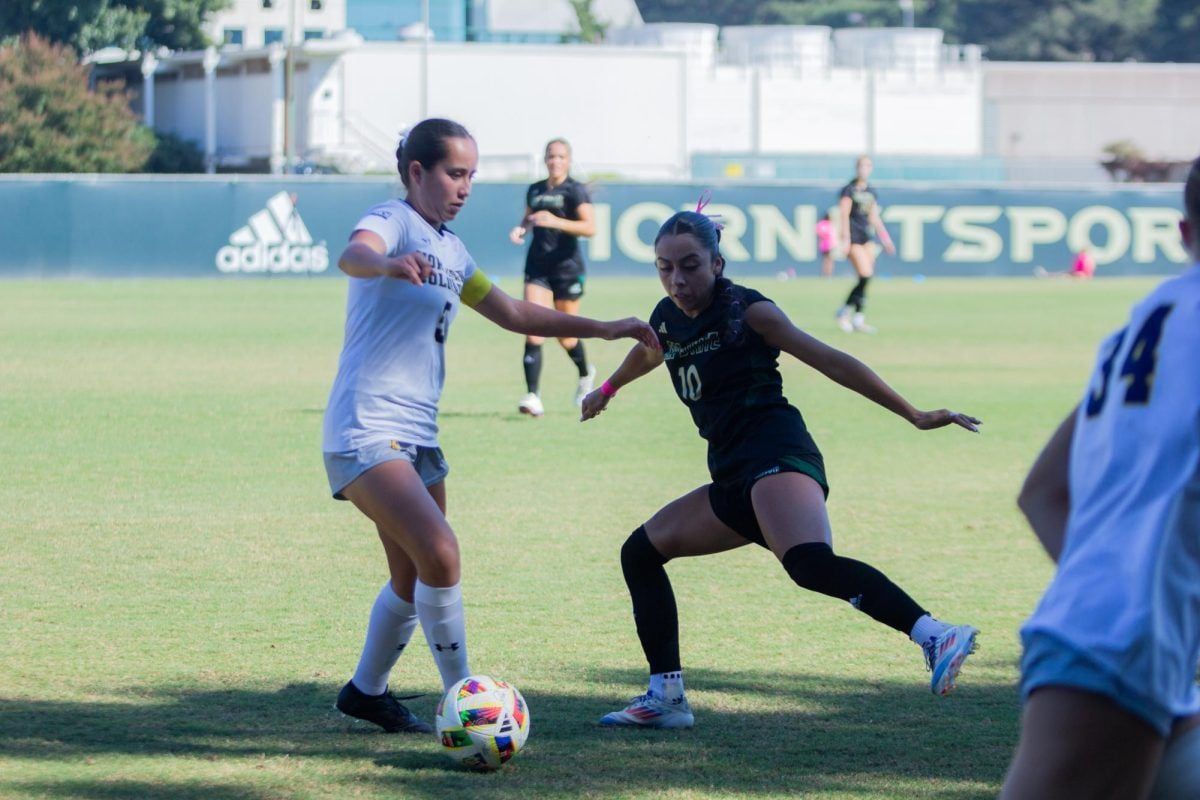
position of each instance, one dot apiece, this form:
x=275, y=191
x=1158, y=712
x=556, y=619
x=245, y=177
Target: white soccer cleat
x=586, y=384
x=531, y=404
x=945, y=654
x=843, y=320
x=859, y=324
x=651, y=711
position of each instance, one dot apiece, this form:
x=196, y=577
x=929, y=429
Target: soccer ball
x=482, y=722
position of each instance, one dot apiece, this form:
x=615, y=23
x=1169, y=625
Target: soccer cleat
x=650, y=711
x=383, y=710
x=859, y=324
x=843, y=320
x=585, y=385
x=945, y=654
x=531, y=404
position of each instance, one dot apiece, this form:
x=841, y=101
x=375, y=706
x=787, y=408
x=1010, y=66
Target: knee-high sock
x=533, y=367
x=654, y=609
x=579, y=358
x=858, y=295
x=389, y=628
x=814, y=566
x=441, y=614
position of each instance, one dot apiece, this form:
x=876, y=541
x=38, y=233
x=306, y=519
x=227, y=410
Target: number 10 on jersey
x=689, y=383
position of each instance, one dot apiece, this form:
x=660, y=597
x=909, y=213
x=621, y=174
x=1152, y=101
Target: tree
x=1177, y=31
x=591, y=29
x=1065, y=30
x=51, y=122
x=88, y=25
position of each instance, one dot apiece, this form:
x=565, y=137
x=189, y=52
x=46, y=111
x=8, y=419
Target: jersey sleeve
x=581, y=194
x=751, y=296
x=847, y=191
x=383, y=221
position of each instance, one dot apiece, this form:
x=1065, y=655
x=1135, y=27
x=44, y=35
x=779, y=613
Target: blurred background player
x=721, y=344
x=1082, y=268
x=860, y=220
x=827, y=240
x=1108, y=674
x=559, y=211
x=408, y=274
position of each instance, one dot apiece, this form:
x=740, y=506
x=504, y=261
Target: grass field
x=180, y=599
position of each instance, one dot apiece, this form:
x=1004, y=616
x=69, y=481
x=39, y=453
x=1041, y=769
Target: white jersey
x=1127, y=590
x=393, y=361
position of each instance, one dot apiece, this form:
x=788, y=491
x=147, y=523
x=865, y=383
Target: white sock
x=926, y=628
x=391, y=625
x=441, y=613
x=667, y=685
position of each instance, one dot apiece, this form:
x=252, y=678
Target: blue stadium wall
x=220, y=226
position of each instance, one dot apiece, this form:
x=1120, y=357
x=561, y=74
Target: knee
x=808, y=564
x=438, y=561
x=534, y=341
x=568, y=344
x=639, y=552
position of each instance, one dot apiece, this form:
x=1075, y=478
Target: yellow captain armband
x=476, y=288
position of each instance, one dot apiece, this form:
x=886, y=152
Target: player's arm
x=531, y=319
x=779, y=332
x=366, y=257
x=844, y=206
x=584, y=226
x=517, y=234
x=640, y=361
x=884, y=236
x=1045, y=497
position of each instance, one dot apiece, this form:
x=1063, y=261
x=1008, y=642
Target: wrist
x=607, y=389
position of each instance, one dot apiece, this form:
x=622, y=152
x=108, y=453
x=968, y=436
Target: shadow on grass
x=756, y=733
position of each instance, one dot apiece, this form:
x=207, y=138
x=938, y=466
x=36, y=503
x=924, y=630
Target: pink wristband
x=607, y=389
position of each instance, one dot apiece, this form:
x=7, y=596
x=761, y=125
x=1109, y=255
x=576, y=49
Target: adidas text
x=274, y=240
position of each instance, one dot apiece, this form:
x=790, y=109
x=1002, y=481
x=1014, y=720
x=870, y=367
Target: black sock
x=858, y=295
x=579, y=357
x=654, y=609
x=533, y=366
x=813, y=566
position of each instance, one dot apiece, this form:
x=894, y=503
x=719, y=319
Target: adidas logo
x=274, y=240
x=662, y=327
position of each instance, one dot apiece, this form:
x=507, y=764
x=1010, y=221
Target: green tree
x=591, y=29
x=88, y=25
x=1176, y=33
x=51, y=122
x=1065, y=30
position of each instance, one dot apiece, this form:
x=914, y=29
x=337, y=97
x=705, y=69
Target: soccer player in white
x=1108, y=674
x=408, y=274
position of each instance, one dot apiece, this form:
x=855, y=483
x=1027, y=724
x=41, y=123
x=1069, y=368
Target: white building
x=654, y=98
x=259, y=23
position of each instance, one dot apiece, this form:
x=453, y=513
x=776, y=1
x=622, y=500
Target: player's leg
x=827, y=264
x=390, y=626
x=395, y=497
x=537, y=291
x=1082, y=745
x=685, y=527
x=863, y=259
x=790, y=509
x=576, y=351
x=1178, y=776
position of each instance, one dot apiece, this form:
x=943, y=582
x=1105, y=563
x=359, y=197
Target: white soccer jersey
x=1127, y=590
x=393, y=361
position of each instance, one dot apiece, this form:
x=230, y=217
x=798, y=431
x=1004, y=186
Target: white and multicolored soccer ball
x=482, y=722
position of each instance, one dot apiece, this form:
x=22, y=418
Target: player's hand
x=889, y=248
x=929, y=420
x=411, y=267
x=632, y=328
x=517, y=235
x=595, y=402
x=542, y=219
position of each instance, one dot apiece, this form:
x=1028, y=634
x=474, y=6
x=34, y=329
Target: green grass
x=180, y=600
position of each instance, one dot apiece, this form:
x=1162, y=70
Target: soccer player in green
x=721, y=343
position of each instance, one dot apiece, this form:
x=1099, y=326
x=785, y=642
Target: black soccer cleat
x=383, y=710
